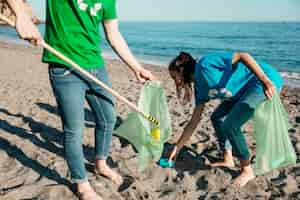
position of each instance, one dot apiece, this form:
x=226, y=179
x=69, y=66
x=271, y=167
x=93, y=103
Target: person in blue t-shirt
x=242, y=83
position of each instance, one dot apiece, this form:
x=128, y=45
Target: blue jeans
x=231, y=115
x=71, y=89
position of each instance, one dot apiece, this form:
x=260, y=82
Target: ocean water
x=277, y=43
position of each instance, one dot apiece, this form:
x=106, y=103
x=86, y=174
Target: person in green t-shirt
x=72, y=27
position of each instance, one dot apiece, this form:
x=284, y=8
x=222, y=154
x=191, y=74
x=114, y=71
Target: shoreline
x=291, y=79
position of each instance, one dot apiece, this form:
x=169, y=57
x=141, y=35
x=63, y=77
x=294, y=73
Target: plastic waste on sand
x=273, y=145
x=166, y=163
x=137, y=130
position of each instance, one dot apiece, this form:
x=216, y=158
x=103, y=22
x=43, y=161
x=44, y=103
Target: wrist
x=264, y=79
x=138, y=68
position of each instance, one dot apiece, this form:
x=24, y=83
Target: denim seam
x=105, y=125
x=85, y=179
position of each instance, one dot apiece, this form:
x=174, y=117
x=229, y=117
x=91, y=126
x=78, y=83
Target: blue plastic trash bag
x=137, y=130
x=273, y=145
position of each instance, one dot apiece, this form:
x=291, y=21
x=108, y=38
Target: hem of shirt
x=110, y=18
x=88, y=66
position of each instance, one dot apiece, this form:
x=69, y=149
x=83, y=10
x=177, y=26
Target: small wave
x=291, y=75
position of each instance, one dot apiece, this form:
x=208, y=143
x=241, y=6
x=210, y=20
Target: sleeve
x=227, y=58
x=110, y=10
x=201, y=88
x=220, y=61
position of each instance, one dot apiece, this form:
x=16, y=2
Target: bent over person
x=242, y=83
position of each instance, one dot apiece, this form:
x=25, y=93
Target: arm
x=119, y=45
x=24, y=25
x=188, y=130
x=250, y=62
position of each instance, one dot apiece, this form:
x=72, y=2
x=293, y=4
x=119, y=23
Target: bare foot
x=86, y=192
x=89, y=195
x=103, y=169
x=228, y=164
x=228, y=160
x=245, y=176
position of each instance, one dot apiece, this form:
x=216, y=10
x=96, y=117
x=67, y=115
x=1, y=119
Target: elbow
x=112, y=43
x=113, y=38
x=243, y=55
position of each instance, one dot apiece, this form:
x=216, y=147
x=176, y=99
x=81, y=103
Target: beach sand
x=31, y=152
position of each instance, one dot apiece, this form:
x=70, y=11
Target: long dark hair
x=184, y=63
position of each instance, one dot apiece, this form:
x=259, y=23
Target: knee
x=111, y=117
x=73, y=132
x=228, y=125
x=73, y=135
x=108, y=121
x=73, y=126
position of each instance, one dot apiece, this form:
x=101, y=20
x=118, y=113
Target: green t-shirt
x=72, y=28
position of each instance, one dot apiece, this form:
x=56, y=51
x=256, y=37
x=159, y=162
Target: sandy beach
x=31, y=152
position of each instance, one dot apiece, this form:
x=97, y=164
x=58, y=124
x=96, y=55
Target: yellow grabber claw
x=155, y=132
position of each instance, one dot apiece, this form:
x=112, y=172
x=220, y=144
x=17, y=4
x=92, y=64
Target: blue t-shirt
x=217, y=77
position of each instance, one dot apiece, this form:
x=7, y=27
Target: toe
x=242, y=180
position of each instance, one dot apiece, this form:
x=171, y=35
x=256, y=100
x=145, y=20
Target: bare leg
x=86, y=192
x=246, y=175
x=103, y=169
x=228, y=160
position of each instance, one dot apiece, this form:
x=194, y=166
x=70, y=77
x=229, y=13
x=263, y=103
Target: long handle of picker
x=88, y=75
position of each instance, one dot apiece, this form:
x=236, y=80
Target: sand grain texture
x=31, y=151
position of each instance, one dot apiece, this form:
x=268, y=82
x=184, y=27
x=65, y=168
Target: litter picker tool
x=155, y=132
